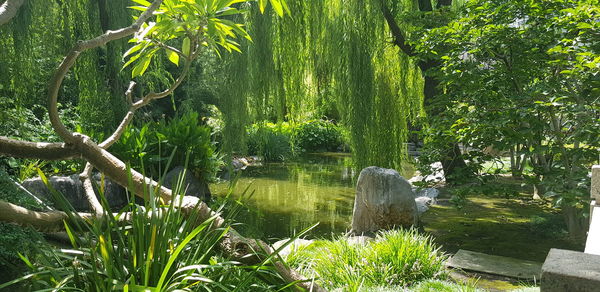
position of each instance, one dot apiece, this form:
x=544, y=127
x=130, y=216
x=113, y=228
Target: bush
x=276, y=142
x=150, y=147
x=394, y=258
x=271, y=141
x=317, y=136
x=32, y=125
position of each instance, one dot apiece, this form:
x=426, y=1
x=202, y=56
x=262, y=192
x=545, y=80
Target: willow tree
x=330, y=59
x=181, y=30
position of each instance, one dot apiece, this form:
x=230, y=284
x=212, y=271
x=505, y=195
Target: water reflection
x=289, y=197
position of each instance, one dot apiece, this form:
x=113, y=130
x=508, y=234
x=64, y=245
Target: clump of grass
x=398, y=258
x=154, y=248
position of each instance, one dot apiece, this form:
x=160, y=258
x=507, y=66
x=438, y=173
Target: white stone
x=293, y=246
x=423, y=204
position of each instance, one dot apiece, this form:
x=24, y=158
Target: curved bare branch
x=116, y=135
x=86, y=178
x=71, y=58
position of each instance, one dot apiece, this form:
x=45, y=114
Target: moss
x=493, y=224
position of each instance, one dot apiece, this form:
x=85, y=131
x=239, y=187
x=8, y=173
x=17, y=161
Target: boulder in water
x=384, y=200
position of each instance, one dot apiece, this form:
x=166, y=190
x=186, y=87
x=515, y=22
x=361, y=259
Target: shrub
x=394, y=258
x=317, y=136
x=31, y=124
x=150, y=147
x=276, y=142
x=272, y=141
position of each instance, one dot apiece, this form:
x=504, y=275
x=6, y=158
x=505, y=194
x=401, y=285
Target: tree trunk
x=9, y=9
x=452, y=160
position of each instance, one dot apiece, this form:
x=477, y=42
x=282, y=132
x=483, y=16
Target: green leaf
x=186, y=46
x=584, y=25
x=261, y=5
x=173, y=57
x=277, y=6
x=133, y=49
x=141, y=66
x=142, y=2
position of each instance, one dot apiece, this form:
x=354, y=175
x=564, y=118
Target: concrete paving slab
x=496, y=265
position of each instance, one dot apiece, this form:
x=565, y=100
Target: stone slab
x=595, y=186
x=573, y=271
x=592, y=244
x=496, y=265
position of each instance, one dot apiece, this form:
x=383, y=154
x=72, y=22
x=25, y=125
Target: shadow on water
x=291, y=196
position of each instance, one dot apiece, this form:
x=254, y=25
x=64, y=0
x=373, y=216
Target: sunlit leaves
x=189, y=25
x=173, y=57
x=185, y=48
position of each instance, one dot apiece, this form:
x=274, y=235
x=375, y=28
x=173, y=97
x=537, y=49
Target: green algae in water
x=291, y=196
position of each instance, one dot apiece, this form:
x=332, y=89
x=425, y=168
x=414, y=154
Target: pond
x=291, y=196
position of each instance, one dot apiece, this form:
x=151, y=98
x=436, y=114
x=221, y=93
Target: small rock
x=359, y=239
x=295, y=245
x=423, y=204
x=428, y=192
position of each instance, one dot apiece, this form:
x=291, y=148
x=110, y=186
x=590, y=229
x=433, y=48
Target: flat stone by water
x=496, y=265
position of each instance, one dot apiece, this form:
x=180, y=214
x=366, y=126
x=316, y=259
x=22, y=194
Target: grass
x=157, y=249
x=394, y=258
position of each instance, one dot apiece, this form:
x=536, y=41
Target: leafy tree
x=522, y=77
x=181, y=29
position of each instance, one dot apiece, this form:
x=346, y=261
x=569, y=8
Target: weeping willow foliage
x=330, y=59
x=35, y=41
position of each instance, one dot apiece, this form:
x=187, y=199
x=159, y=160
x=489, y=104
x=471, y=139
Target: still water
x=291, y=196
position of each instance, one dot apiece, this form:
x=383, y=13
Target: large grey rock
x=572, y=271
x=384, y=200
x=595, y=187
x=71, y=188
x=190, y=184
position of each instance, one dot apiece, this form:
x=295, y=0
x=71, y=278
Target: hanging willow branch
x=96, y=155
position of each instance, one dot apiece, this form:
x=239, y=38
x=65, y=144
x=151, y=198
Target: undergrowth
x=396, y=258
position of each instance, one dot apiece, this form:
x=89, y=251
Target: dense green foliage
x=271, y=141
x=520, y=79
x=276, y=142
x=317, y=136
x=159, y=248
x=35, y=41
x=181, y=141
x=396, y=258
x=330, y=60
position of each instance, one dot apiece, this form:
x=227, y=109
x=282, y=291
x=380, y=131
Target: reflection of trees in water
x=291, y=196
